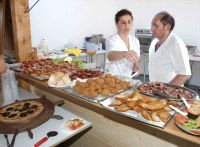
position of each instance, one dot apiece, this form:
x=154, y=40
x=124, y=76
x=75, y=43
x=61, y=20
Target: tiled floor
x=193, y=87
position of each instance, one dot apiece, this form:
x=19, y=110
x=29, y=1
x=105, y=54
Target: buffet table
x=111, y=129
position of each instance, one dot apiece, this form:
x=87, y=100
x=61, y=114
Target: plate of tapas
x=72, y=124
x=189, y=123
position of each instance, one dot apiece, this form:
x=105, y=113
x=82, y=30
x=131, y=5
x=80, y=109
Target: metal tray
x=94, y=100
x=38, y=77
x=99, y=97
x=162, y=95
x=133, y=114
x=18, y=69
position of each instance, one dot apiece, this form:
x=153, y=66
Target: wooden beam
x=21, y=29
x=21, y=33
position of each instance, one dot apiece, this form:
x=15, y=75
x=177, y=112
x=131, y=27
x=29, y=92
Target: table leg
x=144, y=73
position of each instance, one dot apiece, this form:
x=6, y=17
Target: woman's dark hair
x=166, y=18
x=122, y=13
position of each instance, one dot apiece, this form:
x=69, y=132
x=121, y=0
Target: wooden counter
x=110, y=129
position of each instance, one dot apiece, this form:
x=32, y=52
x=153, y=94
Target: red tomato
x=180, y=119
x=72, y=127
x=195, y=131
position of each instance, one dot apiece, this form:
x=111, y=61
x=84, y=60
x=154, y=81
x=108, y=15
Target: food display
x=157, y=89
x=84, y=74
x=59, y=79
x=20, y=111
x=191, y=123
x=42, y=69
x=141, y=107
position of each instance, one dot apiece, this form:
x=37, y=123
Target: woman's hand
x=131, y=56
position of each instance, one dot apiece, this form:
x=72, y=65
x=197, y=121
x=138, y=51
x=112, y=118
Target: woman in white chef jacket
x=168, y=55
x=123, y=48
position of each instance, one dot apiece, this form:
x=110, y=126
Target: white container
x=100, y=46
x=91, y=46
x=43, y=47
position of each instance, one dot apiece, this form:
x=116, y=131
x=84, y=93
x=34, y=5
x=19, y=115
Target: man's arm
x=179, y=80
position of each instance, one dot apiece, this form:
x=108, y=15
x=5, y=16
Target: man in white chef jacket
x=168, y=55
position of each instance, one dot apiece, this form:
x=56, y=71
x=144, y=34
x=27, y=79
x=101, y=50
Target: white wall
x=61, y=21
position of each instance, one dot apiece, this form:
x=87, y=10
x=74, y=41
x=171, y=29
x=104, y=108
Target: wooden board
x=6, y=128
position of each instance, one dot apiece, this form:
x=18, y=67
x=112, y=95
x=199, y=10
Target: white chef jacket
x=123, y=66
x=170, y=59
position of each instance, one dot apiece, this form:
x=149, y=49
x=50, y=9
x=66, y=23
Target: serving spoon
x=185, y=102
x=49, y=134
x=179, y=111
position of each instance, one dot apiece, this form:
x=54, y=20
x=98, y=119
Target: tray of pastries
x=100, y=88
x=140, y=107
